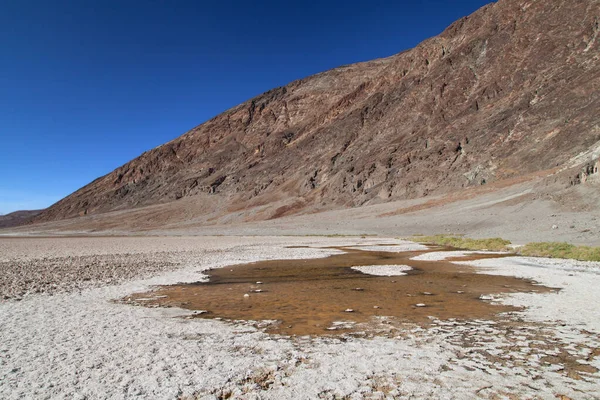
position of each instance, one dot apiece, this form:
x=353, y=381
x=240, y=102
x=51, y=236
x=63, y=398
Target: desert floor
x=62, y=335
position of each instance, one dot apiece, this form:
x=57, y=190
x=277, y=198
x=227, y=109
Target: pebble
x=420, y=305
x=246, y=295
x=62, y=274
x=348, y=310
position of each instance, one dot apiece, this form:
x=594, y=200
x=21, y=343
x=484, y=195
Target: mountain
x=17, y=218
x=509, y=91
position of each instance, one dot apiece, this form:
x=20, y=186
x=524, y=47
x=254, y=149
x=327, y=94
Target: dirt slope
x=510, y=90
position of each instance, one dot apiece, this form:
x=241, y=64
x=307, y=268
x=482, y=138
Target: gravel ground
x=502, y=213
x=55, y=265
x=59, y=274
x=82, y=345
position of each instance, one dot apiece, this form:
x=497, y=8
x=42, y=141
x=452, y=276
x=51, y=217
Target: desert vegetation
x=560, y=250
x=461, y=242
x=535, y=249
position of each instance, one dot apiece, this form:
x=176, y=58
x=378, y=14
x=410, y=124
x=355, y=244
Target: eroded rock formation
x=512, y=89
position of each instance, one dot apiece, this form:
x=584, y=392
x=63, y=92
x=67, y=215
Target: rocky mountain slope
x=510, y=90
x=17, y=218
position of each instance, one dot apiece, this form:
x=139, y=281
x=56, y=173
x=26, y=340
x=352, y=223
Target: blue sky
x=85, y=86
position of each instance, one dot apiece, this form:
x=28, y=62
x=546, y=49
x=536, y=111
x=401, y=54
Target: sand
x=76, y=343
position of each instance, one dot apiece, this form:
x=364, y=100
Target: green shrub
x=560, y=250
x=460, y=242
x=537, y=249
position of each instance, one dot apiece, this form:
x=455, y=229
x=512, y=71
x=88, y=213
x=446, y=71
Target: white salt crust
x=82, y=345
x=383, y=270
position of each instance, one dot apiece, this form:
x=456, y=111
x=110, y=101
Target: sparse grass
x=560, y=250
x=334, y=235
x=537, y=249
x=458, y=241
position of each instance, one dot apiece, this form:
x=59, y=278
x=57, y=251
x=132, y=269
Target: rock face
x=512, y=89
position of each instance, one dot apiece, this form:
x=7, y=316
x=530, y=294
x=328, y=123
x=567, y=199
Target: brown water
x=307, y=296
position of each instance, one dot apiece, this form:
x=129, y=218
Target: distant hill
x=512, y=89
x=17, y=218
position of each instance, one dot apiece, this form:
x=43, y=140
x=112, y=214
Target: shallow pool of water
x=307, y=297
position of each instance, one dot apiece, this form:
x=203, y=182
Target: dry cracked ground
x=63, y=335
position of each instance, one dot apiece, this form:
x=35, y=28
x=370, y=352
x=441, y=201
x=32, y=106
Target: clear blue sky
x=87, y=85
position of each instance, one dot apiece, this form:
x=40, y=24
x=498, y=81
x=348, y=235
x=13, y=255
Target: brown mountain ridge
x=511, y=90
x=17, y=218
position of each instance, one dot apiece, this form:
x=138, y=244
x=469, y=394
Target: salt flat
x=73, y=341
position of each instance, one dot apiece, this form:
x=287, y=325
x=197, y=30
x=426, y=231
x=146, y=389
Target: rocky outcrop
x=512, y=89
x=586, y=172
